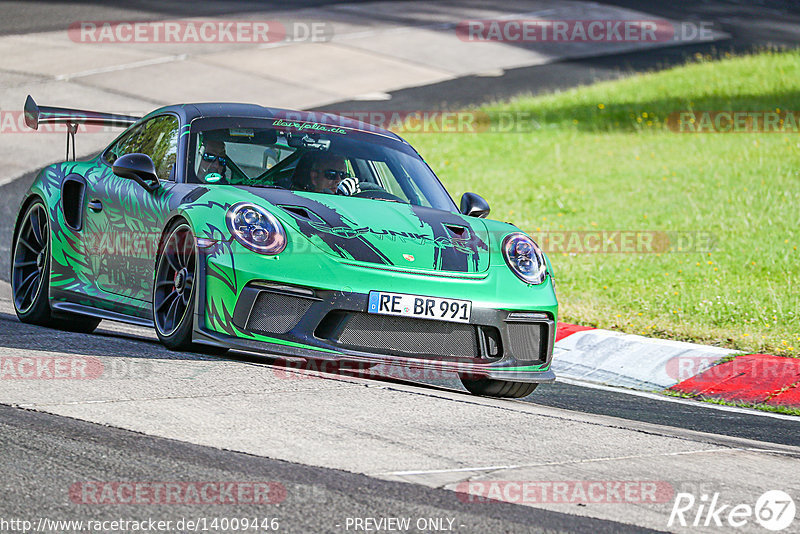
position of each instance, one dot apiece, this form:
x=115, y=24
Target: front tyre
x=30, y=275
x=174, y=288
x=174, y=291
x=487, y=387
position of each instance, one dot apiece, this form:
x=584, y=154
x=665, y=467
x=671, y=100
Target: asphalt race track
x=185, y=395
x=344, y=446
x=317, y=499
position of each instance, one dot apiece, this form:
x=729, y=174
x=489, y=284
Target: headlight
x=524, y=258
x=256, y=228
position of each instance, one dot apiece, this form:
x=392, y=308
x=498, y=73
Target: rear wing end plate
x=35, y=115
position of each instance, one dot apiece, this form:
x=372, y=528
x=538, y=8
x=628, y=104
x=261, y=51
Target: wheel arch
x=27, y=202
x=46, y=188
x=171, y=223
x=173, y=219
x=41, y=313
x=23, y=207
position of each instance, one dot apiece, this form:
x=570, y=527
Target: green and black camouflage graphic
x=347, y=245
x=387, y=233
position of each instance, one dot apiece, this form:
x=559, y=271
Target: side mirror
x=139, y=168
x=474, y=205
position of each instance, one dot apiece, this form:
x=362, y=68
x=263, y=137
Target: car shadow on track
x=141, y=343
x=104, y=342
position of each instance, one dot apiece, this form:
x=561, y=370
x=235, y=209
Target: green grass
x=601, y=158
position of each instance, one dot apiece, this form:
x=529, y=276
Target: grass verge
x=601, y=158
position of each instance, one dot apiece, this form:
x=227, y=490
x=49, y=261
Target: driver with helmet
x=324, y=172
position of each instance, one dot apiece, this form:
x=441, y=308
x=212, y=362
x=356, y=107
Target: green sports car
x=285, y=233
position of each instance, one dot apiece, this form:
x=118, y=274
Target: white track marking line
x=567, y=462
x=123, y=66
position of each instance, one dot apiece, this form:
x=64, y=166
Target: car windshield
x=312, y=158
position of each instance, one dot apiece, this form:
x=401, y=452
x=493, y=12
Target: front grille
x=417, y=337
x=275, y=313
x=526, y=340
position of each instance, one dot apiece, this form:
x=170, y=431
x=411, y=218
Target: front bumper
x=292, y=321
x=267, y=306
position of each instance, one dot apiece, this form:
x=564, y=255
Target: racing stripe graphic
x=463, y=255
x=69, y=268
x=130, y=223
x=447, y=241
x=230, y=281
x=218, y=314
x=71, y=265
x=336, y=231
x=219, y=302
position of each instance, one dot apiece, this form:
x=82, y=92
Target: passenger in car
x=323, y=172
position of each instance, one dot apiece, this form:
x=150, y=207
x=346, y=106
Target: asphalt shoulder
x=50, y=456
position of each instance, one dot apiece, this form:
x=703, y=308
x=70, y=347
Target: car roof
x=189, y=112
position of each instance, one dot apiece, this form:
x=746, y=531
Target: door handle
x=95, y=205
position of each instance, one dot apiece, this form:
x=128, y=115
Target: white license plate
x=419, y=306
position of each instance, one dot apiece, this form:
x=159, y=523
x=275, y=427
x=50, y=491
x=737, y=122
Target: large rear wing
x=35, y=115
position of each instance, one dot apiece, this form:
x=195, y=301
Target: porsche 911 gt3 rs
x=236, y=226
